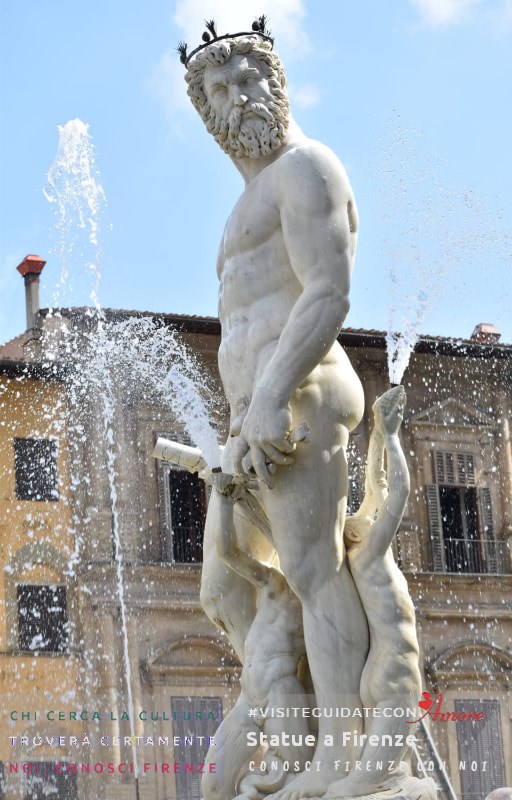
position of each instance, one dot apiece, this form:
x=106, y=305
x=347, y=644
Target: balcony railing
x=481, y=556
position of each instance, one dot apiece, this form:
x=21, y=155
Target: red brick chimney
x=486, y=333
x=31, y=268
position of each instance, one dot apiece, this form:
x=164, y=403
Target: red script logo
x=444, y=716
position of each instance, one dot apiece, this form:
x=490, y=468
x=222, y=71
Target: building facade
x=454, y=545
x=39, y=612
x=102, y=549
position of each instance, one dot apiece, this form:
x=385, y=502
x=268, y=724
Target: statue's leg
x=391, y=680
x=306, y=509
x=285, y=692
x=384, y=765
x=227, y=598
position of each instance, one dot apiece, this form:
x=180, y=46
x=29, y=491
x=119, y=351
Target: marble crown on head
x=259, y=28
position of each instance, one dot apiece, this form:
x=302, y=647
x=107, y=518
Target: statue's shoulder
x=313, y=165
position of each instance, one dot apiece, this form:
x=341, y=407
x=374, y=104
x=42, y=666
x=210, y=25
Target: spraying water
x=434, y=235
x=159, y=361
x=400, y=346
x=78, y=195
x=411, y=194
x=110, y=361
x=73, y=186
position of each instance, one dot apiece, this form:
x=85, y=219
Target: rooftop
x=15, y=351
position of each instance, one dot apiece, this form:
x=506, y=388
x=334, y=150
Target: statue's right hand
x=262, y=437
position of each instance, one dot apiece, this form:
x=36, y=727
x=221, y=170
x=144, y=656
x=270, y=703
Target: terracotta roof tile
x=13, y=349
x=193, y=323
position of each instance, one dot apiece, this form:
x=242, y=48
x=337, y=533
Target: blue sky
x=413, y=95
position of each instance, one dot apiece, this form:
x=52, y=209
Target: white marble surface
x=284, y=266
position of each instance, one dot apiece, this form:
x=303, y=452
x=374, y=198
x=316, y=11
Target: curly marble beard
x=253, y=136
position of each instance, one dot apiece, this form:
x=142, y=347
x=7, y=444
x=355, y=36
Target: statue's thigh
x=306, y=510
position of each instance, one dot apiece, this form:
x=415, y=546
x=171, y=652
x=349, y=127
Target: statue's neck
x=249, y=168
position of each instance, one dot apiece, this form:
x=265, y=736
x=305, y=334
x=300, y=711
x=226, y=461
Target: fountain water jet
x=433, y=233
x=104, y=355
x=73, y=186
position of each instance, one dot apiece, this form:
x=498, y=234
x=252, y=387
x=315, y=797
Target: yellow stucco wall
x=36, y=542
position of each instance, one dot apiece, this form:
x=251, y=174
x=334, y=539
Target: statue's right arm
x=317, y=216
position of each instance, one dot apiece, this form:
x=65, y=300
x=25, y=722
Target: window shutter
x=487, y=530
x=454, y=469
x=438, y=467
x=465, y=469
x=479, y=742
x=443, y=467
x=190, y=718
x=435, y=526
x=495, y=751
x=449, y=462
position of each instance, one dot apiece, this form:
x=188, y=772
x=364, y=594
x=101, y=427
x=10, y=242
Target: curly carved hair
x=219, y=53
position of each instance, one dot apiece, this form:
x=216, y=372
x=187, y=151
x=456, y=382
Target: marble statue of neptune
x=284, y=267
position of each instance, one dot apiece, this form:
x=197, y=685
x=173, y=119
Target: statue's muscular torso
x=258, y=285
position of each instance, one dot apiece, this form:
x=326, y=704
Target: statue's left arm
x=319, y=223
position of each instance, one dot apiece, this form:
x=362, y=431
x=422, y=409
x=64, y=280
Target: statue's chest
x=253, y=221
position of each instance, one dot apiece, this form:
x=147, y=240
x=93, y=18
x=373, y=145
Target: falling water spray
x=73, y=186
x=109, y=359
x=434, y=233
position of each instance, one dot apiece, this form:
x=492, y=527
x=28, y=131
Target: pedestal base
x=410, y=789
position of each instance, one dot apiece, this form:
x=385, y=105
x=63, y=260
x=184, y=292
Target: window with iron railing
x=460, y=518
